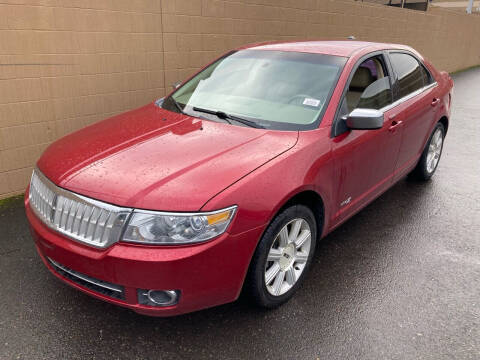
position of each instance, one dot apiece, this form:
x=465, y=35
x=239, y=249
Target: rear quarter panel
x=443, y=91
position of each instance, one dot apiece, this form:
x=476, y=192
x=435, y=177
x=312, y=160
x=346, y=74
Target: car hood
x=151, y=158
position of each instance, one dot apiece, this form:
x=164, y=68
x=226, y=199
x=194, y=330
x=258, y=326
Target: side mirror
x=364, y=119
x=176, y=85
x=159, y=102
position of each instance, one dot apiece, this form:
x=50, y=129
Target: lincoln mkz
x=228, y=183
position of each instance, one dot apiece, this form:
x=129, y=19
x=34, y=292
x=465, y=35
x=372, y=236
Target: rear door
x=415, y=95
x=365, y=159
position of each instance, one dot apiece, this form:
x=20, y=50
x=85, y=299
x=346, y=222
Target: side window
x=427, y=78
x=369, y=87
x=411, y=74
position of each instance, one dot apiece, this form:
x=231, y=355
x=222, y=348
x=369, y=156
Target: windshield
x=274, y=89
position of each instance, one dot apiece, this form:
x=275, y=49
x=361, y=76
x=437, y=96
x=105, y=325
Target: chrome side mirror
x=159, y=102
x=364, y=119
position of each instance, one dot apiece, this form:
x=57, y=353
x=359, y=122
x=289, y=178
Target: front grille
x=99, y=286
x=82, y=219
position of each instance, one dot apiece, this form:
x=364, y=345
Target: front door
x=365, y=159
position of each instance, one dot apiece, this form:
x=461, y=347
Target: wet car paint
x=187, y=164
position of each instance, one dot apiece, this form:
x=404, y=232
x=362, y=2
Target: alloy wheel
x=434, y=151
x=287, y=257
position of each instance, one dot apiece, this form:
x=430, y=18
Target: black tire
x=421, y=171
x=255, y=286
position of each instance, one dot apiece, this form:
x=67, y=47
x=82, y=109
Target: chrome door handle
x=394, y=125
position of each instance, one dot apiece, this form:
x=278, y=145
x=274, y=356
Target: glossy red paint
x=154, y=159
x=164, y=158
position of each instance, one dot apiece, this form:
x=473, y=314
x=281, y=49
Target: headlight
x=150, y=227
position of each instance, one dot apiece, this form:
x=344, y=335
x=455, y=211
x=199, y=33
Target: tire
x=427, y=165
x=293, y=260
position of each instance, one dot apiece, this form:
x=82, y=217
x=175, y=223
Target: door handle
x=435, y=101
x=394, y=125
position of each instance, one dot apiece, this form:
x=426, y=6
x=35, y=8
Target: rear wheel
x=283, y=257
x=431, y=155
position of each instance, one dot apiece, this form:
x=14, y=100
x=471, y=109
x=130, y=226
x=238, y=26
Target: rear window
x=410, y=72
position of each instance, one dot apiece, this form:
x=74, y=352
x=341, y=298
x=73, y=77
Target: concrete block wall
x=65, y=64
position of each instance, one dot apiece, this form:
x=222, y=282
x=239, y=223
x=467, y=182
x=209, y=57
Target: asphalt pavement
x=400, y=280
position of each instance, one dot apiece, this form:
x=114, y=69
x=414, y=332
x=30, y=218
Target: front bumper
x=207, y=274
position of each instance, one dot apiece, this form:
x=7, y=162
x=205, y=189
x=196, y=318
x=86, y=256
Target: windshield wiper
x=224, y=116
x=218, y=114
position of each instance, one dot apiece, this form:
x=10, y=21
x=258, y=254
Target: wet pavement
x=400, y=280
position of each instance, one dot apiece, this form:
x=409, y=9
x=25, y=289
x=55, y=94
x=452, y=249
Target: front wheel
x=431, y=155
x=283, y=257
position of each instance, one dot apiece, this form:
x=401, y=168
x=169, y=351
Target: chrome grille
x=82, y=219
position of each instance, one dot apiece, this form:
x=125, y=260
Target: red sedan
x=230, y=181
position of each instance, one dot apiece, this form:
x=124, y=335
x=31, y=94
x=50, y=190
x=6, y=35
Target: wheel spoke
x=272, y=273
x=277, y=284
x=437, y=140
x=291, y=277
x=295, y=230
x=439, y=144
x=274, y=255
x=304, y=236
x=283, y=237
x=430, y=157
x=301, y=257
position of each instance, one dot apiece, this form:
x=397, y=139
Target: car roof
x=346, y=48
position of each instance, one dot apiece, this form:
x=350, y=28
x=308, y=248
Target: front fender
x=308, y=166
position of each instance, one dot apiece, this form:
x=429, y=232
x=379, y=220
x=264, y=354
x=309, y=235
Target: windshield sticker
x=311, y=102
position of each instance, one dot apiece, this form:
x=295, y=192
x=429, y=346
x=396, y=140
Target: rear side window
x=427, y=78
x=411, y=74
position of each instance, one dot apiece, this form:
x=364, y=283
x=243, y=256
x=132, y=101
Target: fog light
x=158, y=297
